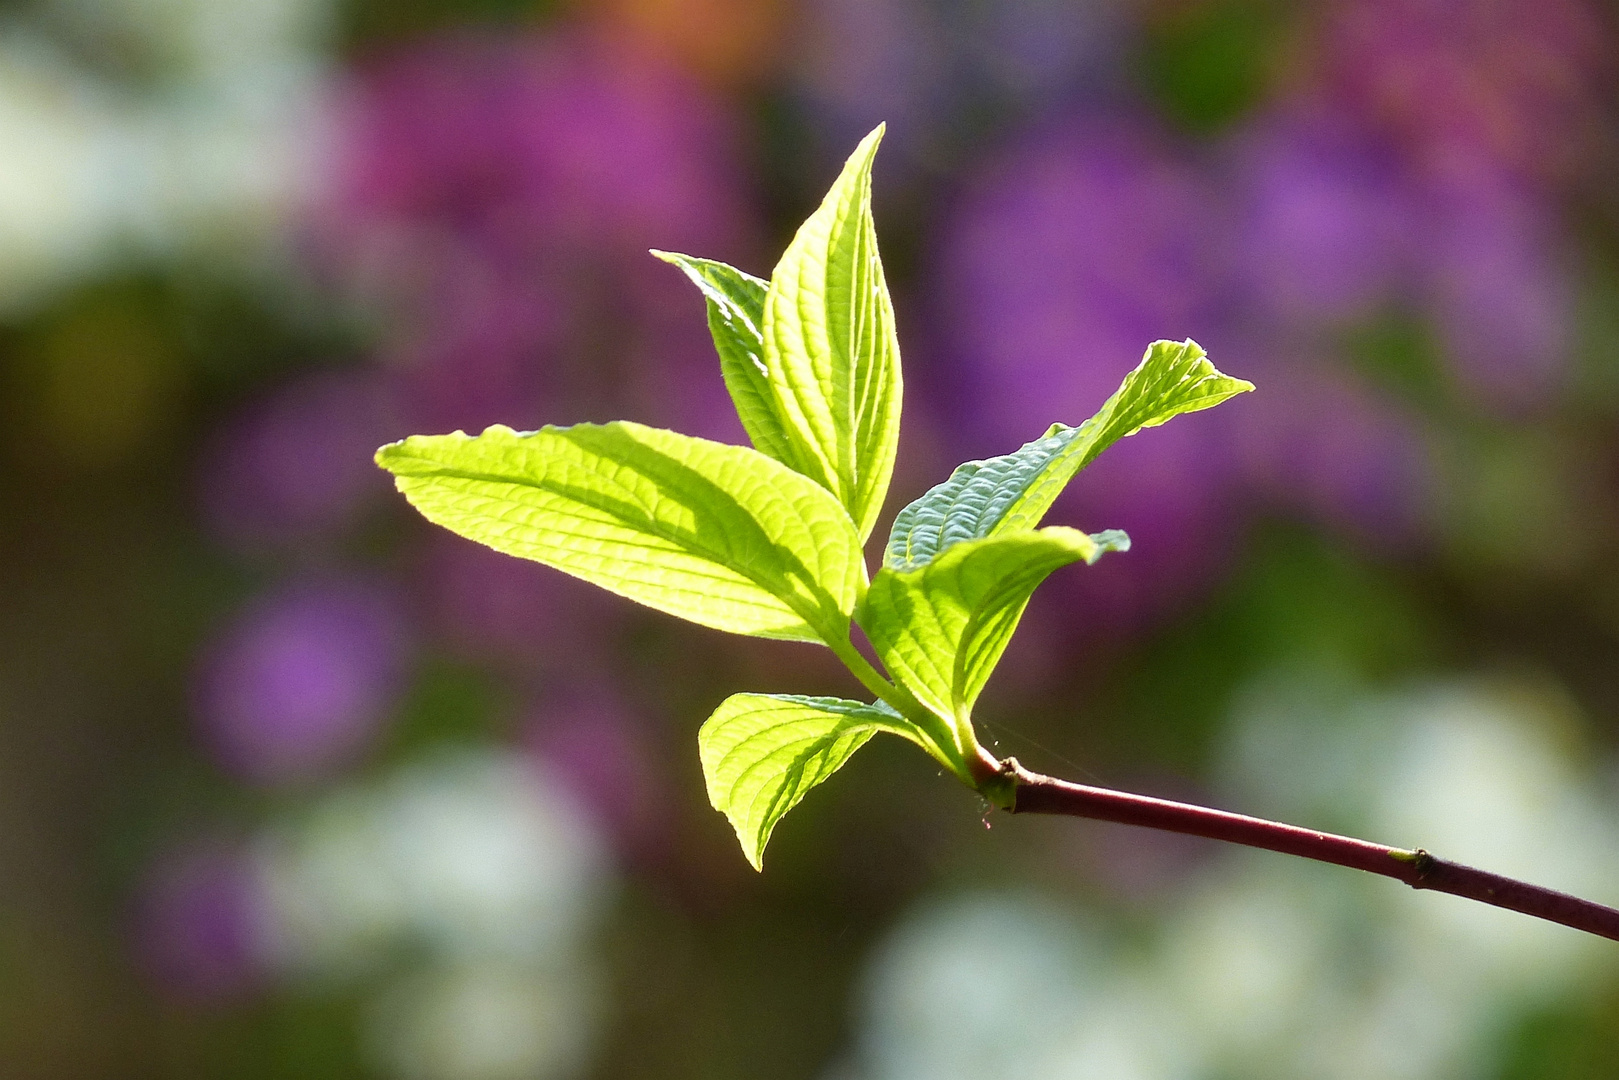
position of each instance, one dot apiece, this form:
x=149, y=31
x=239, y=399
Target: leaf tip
x=752, y=842
x=386, y=453
x=1235, y=385
x=867, y=150
x=1108, y=540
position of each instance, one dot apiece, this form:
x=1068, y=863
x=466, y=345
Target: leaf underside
x=1014, y=491
x=762, y=753
x=720, y=535
x=830, y=348
x=941, y=628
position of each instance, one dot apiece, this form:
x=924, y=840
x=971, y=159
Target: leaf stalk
x=968, y=760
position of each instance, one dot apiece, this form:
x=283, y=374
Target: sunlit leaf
x=736, y=309
x=830, y=348
x=762, y=753
x=941, y=628
x=721, y=535
x=1014, y=491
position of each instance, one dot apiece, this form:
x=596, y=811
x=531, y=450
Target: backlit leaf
x=721, y=535
x=830, y=348
x=941, y=628
x=1014, y=491
x=762, y=753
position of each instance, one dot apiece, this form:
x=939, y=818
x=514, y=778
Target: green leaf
x=717, y=534
x=736, y=310
x=941, y=628
x=830, y=346
x=762, y=753
x=1013, y=492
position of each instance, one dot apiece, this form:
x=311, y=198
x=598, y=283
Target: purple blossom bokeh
x=1064, y=259
x=1519, y=84
x=1325, y=219
x=493, y=204
x=1501, y=299
x=302, y=680
x=199, y=924
x=1322, y=445
x=296, y=465
x=861, y=62
x=1337, y=224
x=1486, y=111
x=923, y=66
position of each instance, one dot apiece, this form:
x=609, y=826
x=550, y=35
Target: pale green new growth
x=830, y=348
x=736, y=313
x=720, y=535
x=941, y=629
x=1012, y=492
x=767, y=541
x=762, y=753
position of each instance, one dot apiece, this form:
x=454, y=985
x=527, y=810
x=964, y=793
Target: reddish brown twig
x=1037, y=794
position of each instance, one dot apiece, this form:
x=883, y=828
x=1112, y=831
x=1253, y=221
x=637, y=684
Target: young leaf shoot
x=767, y=541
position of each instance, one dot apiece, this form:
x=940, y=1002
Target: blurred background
x=295, y=786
